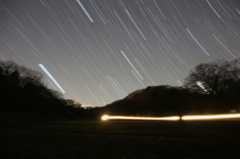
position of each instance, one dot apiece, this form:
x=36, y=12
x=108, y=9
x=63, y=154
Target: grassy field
x=121, y=140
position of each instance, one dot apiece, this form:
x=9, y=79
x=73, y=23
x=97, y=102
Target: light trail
x=138, y=78
x=105, y=92
x=192, y=117
x=51, y=77
x=197, y=42
x=149, y=77
x=97, y=12
x=131, y=65
x=201, y=117
x=238, y=11
x=124, y=26
x=224, y=46
x=85, y=11
x=180, y=83
x=115, y=87
x=159, y=24
x=172, y=51
x=135, y=24
x=106, y=117
x=201, y=86
x=213, y=9
x=223, y=8
x=159, y=9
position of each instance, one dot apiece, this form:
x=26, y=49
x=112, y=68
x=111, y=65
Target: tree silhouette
x=23, y=89
x=219, y=78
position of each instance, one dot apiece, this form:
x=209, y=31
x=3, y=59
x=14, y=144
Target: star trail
x=99, y=51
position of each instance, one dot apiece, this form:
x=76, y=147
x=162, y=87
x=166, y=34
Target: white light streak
x=126, y=29
x=105, y=92
x=115, y=87
x=52, y=85
x=97, y=12
x=119, y=86
x=197, y=42
x=135, y=24
x=89, y=17
x=122, y=93
x=51, y=77
x=201, y=86
x=159, y=9
x=213, y=9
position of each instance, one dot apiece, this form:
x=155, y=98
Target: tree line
x=209, y=88
x=23, y=90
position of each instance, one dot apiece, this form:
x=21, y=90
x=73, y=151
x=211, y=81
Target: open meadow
x=121, y=140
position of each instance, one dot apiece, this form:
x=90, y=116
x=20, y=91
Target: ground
x=121, y=140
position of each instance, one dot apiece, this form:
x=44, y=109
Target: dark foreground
x=121, y=140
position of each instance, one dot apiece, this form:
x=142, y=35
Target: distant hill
x=167, y=100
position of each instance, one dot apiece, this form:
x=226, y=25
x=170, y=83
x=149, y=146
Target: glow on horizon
x=188, y=117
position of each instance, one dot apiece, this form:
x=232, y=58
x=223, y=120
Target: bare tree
x=218, y=77
x=27, y=80
x=25, y=75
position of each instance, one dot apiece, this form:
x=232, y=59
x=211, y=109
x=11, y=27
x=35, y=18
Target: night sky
x=99, y=51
